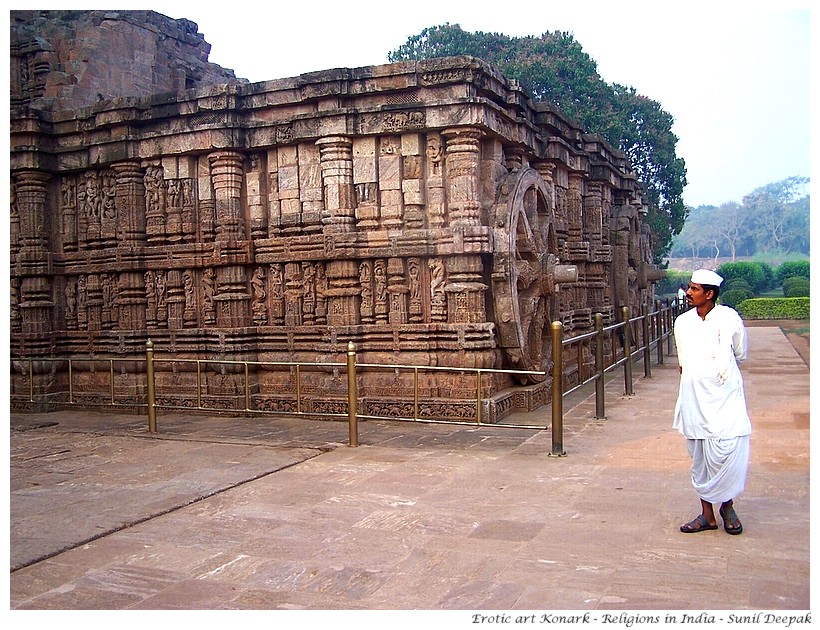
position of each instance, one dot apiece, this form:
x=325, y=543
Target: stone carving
x=450, y=235
x=438, y=300
x=260, y=310
x=208, y=292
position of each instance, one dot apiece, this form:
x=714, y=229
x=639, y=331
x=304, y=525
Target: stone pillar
x=130, y=201
x=35, y=299
x=132, y=301
x=94, y=301
x=397, y=289
x=226, y=175
x=293, y=294
x=336, y=159
x=465, y=290
x=343, y=293
x=233, y=300
x=463, y=174
x=175, y=299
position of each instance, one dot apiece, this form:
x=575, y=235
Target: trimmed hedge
x=774, y=308
x=737, y=283
x=796, y=286
x=733, y=297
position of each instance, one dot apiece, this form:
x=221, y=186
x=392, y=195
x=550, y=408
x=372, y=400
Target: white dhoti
x=719, y=467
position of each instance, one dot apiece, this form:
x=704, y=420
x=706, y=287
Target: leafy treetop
x=554, y=67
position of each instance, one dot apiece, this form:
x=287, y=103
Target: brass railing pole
x=647, y=345
x=298, y=388
x=659, y=326
x=198, y=384
x=149, y=370
x=599, y=366
x=478, y=397
x=70, y=383
x=557, y=333
x=352, y=395
x=415, y=393
x=111, y=378
x=627, y=351
x=247, y=388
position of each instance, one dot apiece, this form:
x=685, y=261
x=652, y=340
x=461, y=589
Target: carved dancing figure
x=260, y=315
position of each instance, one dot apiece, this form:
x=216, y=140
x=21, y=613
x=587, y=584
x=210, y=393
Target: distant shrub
x=733, y=297
x=752, y=272
x=737, y=283
x=774, y=308
x=796, y=286
x=793, y=268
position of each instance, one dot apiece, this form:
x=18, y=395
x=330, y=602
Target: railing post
x=647, y=345
x=659, y=326
x=669, y=320
x=70, y=383
x=415, y=393
x=247, y=388
x=557, y=333
x=599, y=366
x=352, y=395
x=149, y=372
x=478, y=397
x=627, y=351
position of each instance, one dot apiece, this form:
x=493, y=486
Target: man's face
x=696, y=296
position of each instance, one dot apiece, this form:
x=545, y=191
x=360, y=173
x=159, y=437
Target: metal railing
x=630, y=339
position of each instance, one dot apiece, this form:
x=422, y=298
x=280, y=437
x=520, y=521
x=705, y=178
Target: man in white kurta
x=711, y=408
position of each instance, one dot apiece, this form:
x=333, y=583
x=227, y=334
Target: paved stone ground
x=279, y=513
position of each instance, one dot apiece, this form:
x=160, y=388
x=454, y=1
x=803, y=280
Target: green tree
x=771, y=221
x=775, y=216
x=553, y=67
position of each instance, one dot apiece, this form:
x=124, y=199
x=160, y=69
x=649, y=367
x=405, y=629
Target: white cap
x=704, y=276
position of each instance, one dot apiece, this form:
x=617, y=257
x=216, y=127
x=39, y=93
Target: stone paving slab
x=277, y=514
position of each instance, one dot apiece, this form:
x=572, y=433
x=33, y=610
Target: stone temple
x=430, y=212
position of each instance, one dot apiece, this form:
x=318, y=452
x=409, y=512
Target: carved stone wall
x=429, y=212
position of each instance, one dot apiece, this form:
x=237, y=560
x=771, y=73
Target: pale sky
x=734, y=75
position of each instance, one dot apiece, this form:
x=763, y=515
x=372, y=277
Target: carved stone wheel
x=525, y=258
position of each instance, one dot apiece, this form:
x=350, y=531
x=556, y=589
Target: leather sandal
x=697, y=524
x=729, y=515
